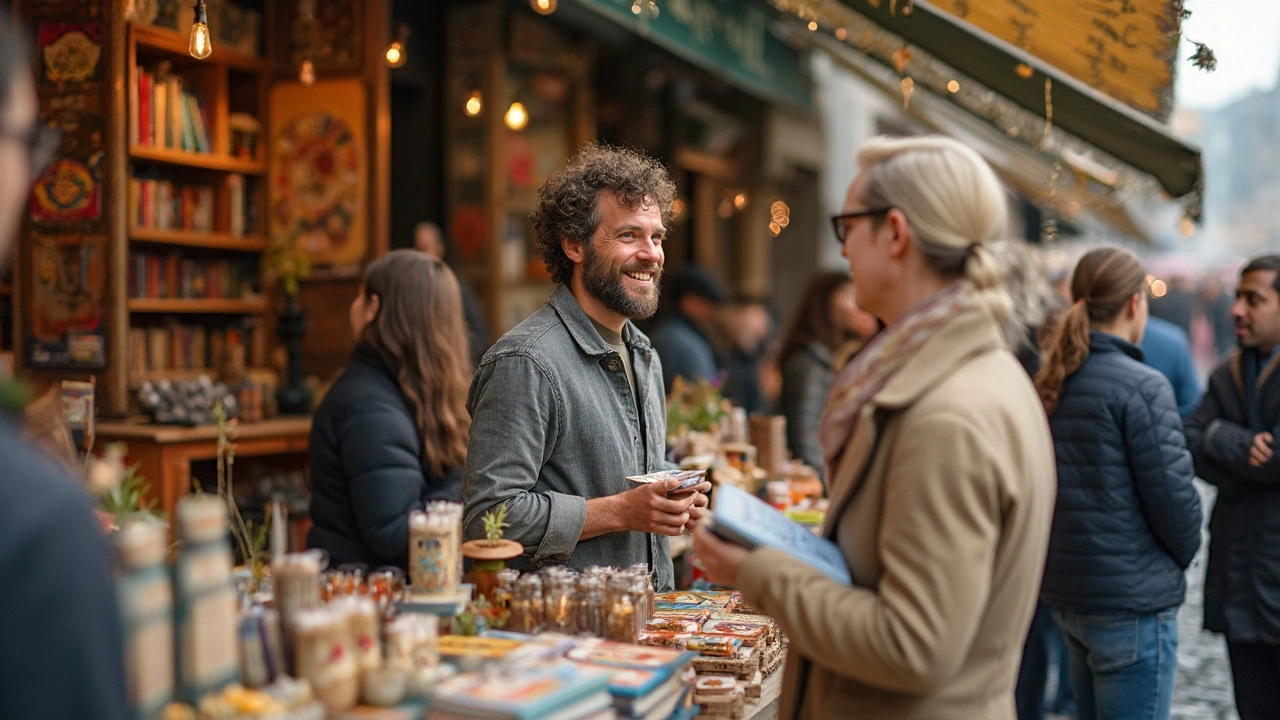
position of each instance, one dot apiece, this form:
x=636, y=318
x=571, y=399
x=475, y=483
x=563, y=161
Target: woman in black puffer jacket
x=391, y=433
x=1127, y=520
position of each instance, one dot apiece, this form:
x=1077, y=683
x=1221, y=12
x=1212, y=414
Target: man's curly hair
x=567, y=203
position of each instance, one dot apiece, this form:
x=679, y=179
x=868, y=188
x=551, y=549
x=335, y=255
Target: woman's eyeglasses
x=41, y=143
x=840, y=223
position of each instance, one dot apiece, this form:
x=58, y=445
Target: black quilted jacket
x=1242, y=581
x=1127, y=521
x=367, y=468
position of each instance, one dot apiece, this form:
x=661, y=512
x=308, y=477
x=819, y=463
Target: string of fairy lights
x=920, y=70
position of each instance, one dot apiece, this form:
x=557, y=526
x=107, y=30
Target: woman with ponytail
x=939, y=464
x=1127, y=520
x=391, y=433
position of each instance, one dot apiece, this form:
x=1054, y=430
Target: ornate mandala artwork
x=316, y=175
x=73, y=56
x=67, y=191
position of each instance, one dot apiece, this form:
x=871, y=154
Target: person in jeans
x=939, y=463
x=570, y=403
x=1232, y=435
x=1127, y=520
x=1044, y=654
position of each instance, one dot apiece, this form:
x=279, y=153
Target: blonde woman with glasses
x=939, y=461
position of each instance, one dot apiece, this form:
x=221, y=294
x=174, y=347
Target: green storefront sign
x=730, y=38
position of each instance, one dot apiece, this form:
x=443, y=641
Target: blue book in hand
x=742, y=518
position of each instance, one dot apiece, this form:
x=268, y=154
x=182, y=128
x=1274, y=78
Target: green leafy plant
x=494, y=521
x=695, y=405
x=130, y=498
x=250, y=542
x=287, y=263
x=14, y=396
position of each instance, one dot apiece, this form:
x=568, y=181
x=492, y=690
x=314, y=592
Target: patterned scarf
x=871, y=369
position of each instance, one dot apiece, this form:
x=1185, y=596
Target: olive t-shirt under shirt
x=619, y=344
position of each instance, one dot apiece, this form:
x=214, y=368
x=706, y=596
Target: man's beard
x=608, y=286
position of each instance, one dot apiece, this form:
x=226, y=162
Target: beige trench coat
x=945, y=537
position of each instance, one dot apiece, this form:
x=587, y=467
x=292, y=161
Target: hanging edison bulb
x=395, y=54
x=646, y=8
x=543, y=7
x=517, y=117
x=474, y=104
x=200, y=46
x=307, y=73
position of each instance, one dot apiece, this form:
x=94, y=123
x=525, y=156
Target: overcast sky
x=1245, y=37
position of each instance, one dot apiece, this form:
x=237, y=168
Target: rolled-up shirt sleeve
x=515, y=424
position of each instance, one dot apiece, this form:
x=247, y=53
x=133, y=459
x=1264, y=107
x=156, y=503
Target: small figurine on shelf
x=491, y=554
x=186, y=402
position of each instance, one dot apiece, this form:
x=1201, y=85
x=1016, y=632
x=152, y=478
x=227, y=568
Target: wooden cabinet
x=164, y=454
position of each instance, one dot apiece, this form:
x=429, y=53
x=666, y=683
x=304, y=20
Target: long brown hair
x=420, y=334
x=813, y=320
x=1102, y=284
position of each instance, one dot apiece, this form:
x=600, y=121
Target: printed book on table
x=662, y=661
x=740, y=517
x=549, y=690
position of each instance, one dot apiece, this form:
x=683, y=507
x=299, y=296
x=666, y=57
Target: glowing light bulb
x=200, y=46
x=517, y=117
x=474, y=104
x=395, y=54
x=543, y=7
x=953, y=86
x=307, y=73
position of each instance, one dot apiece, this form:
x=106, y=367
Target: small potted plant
x=490, y=555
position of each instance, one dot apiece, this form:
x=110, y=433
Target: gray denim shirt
x=553, y=423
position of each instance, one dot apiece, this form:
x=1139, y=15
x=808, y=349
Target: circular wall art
x=317, y=182
x=66, y=192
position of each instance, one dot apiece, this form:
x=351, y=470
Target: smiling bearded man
x=570, y=403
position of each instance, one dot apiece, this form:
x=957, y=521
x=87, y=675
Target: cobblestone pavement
x=1203, y=691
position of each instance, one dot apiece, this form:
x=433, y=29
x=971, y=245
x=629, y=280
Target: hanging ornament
x=1050, y=224
x=1048, y=112
x=543, y=7
x=645, y=8
x=901, y=57
x=307, y=73
x=1203, y=57
x=1024, y=70
x=908, y=86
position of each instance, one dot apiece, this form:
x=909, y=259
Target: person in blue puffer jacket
x=1127, y=521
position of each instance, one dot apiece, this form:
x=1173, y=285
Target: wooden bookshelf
x=163, y=40
x=204, y=306
x=206, y=161
x=195, y=239
x=227, y=82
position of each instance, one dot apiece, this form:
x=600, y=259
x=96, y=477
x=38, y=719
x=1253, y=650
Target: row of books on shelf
x=195, y=347
x=164, y=114
x=173, y=275
x=162, y=205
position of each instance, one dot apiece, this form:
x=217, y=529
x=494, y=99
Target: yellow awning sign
x=1124, y=48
